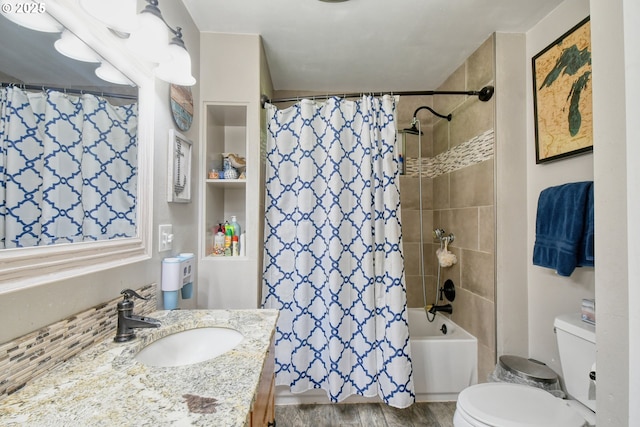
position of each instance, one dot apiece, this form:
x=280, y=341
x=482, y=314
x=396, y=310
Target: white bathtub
x=443, y=363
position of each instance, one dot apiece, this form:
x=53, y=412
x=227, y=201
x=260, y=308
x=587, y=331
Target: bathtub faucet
x=447, y=308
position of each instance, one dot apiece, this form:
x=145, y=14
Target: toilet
x=500, y=404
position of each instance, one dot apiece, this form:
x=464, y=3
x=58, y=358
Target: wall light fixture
x=146, y=34
x=149, y=39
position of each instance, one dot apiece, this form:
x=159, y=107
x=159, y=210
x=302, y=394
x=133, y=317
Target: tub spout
x=447, y=308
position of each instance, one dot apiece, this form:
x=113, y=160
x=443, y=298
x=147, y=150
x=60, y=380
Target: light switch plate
x=165, y=237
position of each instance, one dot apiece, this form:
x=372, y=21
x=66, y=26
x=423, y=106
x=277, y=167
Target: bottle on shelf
x=235, y=249
x=236, y=227
x=210, y=236
x=218, y=242
x=228, y=235
x=237, y=231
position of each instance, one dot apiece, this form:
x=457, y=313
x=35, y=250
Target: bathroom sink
x=190, y=346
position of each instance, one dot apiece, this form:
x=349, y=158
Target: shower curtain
x=68, y=168
x=333, y=262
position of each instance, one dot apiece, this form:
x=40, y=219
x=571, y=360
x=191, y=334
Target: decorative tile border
x=476, y=150
x=31, y=355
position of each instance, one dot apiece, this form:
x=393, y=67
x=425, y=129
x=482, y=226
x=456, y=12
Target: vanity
x=106, y=385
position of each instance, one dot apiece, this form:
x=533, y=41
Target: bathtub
x=443, y=363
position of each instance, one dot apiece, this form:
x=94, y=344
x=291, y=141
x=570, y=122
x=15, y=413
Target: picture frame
x=179, y=168
x=563, y=109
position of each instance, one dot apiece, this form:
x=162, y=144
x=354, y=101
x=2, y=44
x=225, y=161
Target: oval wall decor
x=182, y=106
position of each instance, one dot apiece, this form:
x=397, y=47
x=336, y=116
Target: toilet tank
x=577, y=348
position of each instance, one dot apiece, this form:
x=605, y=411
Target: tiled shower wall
x=458, y=196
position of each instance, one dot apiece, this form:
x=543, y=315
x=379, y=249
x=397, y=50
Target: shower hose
x=430, y=317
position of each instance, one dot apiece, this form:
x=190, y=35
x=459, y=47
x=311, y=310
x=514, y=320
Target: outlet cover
x=165, y=237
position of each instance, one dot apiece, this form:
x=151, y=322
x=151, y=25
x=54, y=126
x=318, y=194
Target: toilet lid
x=516, y=405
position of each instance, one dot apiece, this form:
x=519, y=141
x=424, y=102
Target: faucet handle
x=130, y=293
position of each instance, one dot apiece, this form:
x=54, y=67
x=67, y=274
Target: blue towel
x=586, y=257
x=564, y=228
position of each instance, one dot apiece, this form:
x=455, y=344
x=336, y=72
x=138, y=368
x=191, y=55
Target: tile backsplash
x=471, y=152
x=31, y=355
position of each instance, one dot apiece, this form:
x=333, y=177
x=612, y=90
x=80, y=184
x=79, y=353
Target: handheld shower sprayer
x=445, y=259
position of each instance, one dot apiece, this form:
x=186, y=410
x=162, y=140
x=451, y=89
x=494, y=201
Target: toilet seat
x=513, y=405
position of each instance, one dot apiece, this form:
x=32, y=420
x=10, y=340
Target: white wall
x=231, y=74
x=616, y=71
x=549, y=294
x=27, y=310
x=183, y=217
x=511, y=196
x=614, y=167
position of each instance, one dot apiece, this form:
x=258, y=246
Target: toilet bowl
x=506, y=404
x=513, y=405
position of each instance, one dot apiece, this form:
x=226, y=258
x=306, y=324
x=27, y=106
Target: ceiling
x=367, y=45
x=311, y=45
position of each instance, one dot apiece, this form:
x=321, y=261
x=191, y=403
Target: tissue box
x=588, y=311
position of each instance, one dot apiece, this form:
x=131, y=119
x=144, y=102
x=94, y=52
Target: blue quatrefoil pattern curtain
x=333, y=262
x=68, y=168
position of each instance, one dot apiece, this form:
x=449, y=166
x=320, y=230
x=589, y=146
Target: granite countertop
x=105, y=385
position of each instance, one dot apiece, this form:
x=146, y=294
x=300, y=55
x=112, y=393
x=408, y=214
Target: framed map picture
x=562, y=96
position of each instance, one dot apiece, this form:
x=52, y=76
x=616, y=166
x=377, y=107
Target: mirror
x=73, y=196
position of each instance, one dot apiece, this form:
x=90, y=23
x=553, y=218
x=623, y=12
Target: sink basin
x=190, y=346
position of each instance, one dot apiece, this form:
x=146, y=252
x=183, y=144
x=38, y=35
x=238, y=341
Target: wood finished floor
x=436, y=414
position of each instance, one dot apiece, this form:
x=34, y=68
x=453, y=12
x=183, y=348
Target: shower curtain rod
x=483, y=95
x=73, y=91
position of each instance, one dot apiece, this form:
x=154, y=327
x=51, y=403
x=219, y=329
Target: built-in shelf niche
x=226, y=132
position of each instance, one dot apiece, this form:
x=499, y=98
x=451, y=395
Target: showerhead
x=413, y=130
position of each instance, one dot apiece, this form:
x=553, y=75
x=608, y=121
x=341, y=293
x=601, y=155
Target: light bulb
x=177, y=69
x=71, y=46
x=109, y=73
x=149, y=41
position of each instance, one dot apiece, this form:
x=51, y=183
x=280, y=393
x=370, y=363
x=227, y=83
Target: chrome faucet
x=127, y=321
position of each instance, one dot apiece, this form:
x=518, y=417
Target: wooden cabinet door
x=263, y=413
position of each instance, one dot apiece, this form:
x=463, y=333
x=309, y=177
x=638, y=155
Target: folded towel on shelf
x=564, y=227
